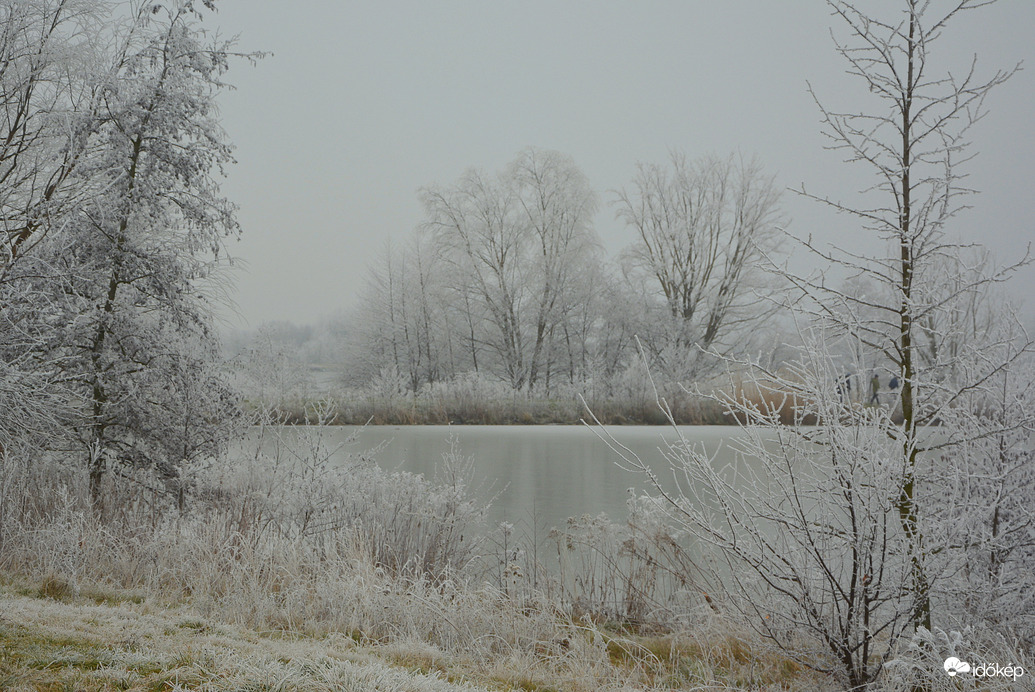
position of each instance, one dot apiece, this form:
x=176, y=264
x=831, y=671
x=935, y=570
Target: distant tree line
x=507, y=278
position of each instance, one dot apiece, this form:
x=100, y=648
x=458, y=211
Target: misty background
x=361, y=104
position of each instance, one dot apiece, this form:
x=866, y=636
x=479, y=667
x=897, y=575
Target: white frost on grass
x=96, y=646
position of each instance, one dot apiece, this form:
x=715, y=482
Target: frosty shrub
x=269, y=373
x=920, y=663
x=986, y=482
x=287, y=487
x=387, y=385
x=294, y=486
x=638, y=574
x=468, y=396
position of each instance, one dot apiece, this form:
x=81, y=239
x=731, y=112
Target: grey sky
x=362, y=103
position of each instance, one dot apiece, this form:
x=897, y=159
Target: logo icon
x=953, y=665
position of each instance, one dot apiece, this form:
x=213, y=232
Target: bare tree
x=702, y=231
x=48, y=107
x=404, y=321
x=557, y=208
x=472, y=223
x=837, y=538
x=914, y=140
x=515, y=243
x=799, y=532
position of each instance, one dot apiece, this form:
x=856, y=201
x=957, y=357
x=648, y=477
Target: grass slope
x=84, y=646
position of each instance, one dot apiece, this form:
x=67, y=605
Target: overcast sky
x=362, y=103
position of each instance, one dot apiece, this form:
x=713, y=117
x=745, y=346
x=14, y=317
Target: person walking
x=875, y=390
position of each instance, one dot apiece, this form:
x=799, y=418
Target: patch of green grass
x=194, y=625
x=102, y=596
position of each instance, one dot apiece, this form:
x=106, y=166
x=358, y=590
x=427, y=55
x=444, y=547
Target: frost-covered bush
x=269, y=371
x=387, y=384
x=294, y=486
x=469, y=396
x=986, y=484
x=638, y=573
x=923, y=663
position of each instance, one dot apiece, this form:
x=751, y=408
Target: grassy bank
x=518, y=409
x=475, y=400
x=361, y=409
x=476, y=406
x=107, y=639
x=103, y=640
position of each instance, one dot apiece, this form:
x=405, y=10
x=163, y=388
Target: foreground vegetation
x=111, y=640
x=288, y=573
x=104, y=639
x=280, y=570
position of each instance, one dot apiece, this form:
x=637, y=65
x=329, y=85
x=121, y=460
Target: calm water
x=549, y=472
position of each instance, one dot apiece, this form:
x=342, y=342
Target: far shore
x=522, y=411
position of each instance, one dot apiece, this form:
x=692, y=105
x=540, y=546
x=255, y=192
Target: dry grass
x=713, y=659
x=78, y=645
x=359, y=408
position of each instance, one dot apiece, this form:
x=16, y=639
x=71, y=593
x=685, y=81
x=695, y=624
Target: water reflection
x=549, y=472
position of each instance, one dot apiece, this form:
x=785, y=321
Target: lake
x=549, y=472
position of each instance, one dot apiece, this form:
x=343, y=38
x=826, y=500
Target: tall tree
x=403, y=323
x=472, y=221
x=48, y=109
x=516, y=241
x=557, y=207
x=703, y=229
x=914, y=140
x=142, y=338
x=840, y=536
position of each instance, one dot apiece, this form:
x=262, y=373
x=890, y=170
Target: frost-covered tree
x=472, y=221
x=272, y=369
x=703, y=231
x=48, y=104
x=139, y=343
x=403, y=321
x=843, y=533
x=914, y=140
x=515, y=243
x=556, y=209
